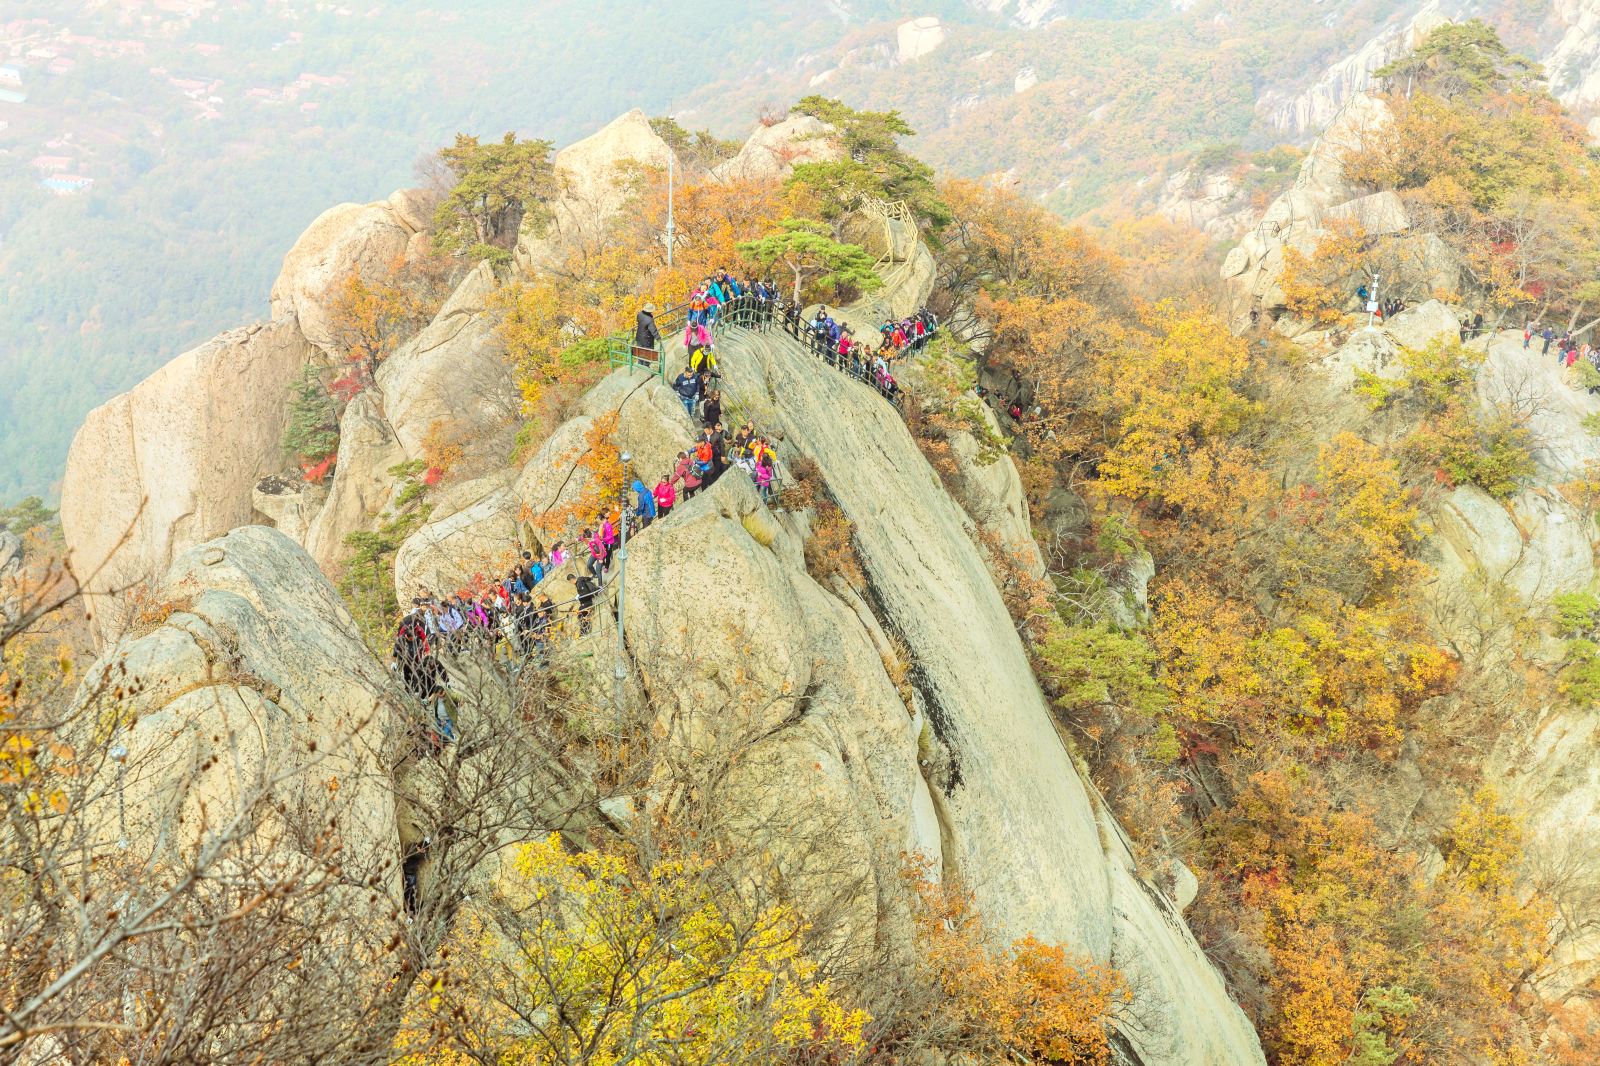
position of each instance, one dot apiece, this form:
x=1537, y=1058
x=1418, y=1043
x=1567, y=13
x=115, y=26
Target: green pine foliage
x=1452, y=434
x=26, y=515
x=1094, y=668
x=1463, y=59
x=703, y=146
x=313, y=429
x=367, y=583
x=806, y=248
x=877, y=164
x=497, y=186
x=1577, y=618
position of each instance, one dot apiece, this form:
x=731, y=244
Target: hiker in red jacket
x=687, y=473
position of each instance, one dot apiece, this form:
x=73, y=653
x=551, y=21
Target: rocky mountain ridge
x=961, y=766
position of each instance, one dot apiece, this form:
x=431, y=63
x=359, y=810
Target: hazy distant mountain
x=157, y=160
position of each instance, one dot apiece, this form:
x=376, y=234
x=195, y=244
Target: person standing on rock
x=687, y=472
x=1549, y=336
x=543, y=618
x=687, y=386
x=1527, y=334
x=645, y=505
x=586, y=589
x=764, y=475
x=666, y=497
x=646, y=337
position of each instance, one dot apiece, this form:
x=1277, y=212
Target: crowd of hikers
x=1569, y=351
x=837, y=344
x=516, y=617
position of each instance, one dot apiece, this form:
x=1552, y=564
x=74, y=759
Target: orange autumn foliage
x=1032, y=1001
x=598, y=463
x=1328, y=888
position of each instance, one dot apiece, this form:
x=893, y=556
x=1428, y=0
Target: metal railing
x=820, y=345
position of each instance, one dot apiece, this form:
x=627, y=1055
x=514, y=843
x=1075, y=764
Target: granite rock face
x=349, y=238
x=175, y=461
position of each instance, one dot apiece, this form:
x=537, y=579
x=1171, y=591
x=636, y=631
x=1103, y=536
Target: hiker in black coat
x=645, y=333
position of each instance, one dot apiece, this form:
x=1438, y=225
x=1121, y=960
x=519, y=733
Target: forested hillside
x=179, y=117
x=198, y=192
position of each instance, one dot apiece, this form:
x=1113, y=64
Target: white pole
x=671, y=228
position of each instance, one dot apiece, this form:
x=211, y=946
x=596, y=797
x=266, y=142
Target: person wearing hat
x=646, y=337
x=645, y=333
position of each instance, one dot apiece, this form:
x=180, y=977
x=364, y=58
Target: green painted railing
x=622, y=352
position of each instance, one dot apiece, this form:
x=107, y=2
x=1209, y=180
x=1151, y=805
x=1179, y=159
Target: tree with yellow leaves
x=588, y=957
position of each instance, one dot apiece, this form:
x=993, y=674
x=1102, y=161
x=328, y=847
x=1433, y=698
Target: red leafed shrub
x=432, y=476
x=316, y=472
x=346, y=388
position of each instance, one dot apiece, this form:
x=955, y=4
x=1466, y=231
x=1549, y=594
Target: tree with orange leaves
x=601, y=485
x=371, y=316
x=1032, y=1002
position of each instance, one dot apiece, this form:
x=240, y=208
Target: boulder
x=1210, y=203
x=258, y=652
x=590, y=169
x=290, y=503
x=594, y=175
x=651, y=427
x=10, y=553
x=254, y=712
x=1525, y=380
x=990, y=490
x=11, y=604
x=453, y=375
x=1574, y=62
x=1254, y=269
x=1536, y=545
x=788, y=675
x=176, y=460
x=1017, y=821
x=772, y=152
x=348, y=238
x=1125, y=600
x=444, y=556
x=1370, y=350
x=1313, y=109
x=478, y=536
x=1417, y=327
x=362, y=485
x=918, y=37
x=1374, y=215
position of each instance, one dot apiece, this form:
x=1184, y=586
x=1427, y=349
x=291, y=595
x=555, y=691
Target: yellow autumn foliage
x=586, y=957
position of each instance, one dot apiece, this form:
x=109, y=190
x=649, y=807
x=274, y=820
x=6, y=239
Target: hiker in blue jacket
x=646, y=506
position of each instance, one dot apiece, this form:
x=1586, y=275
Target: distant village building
x=51, y=162
x=13, y=96
x=66, y=184
x=10, y=76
